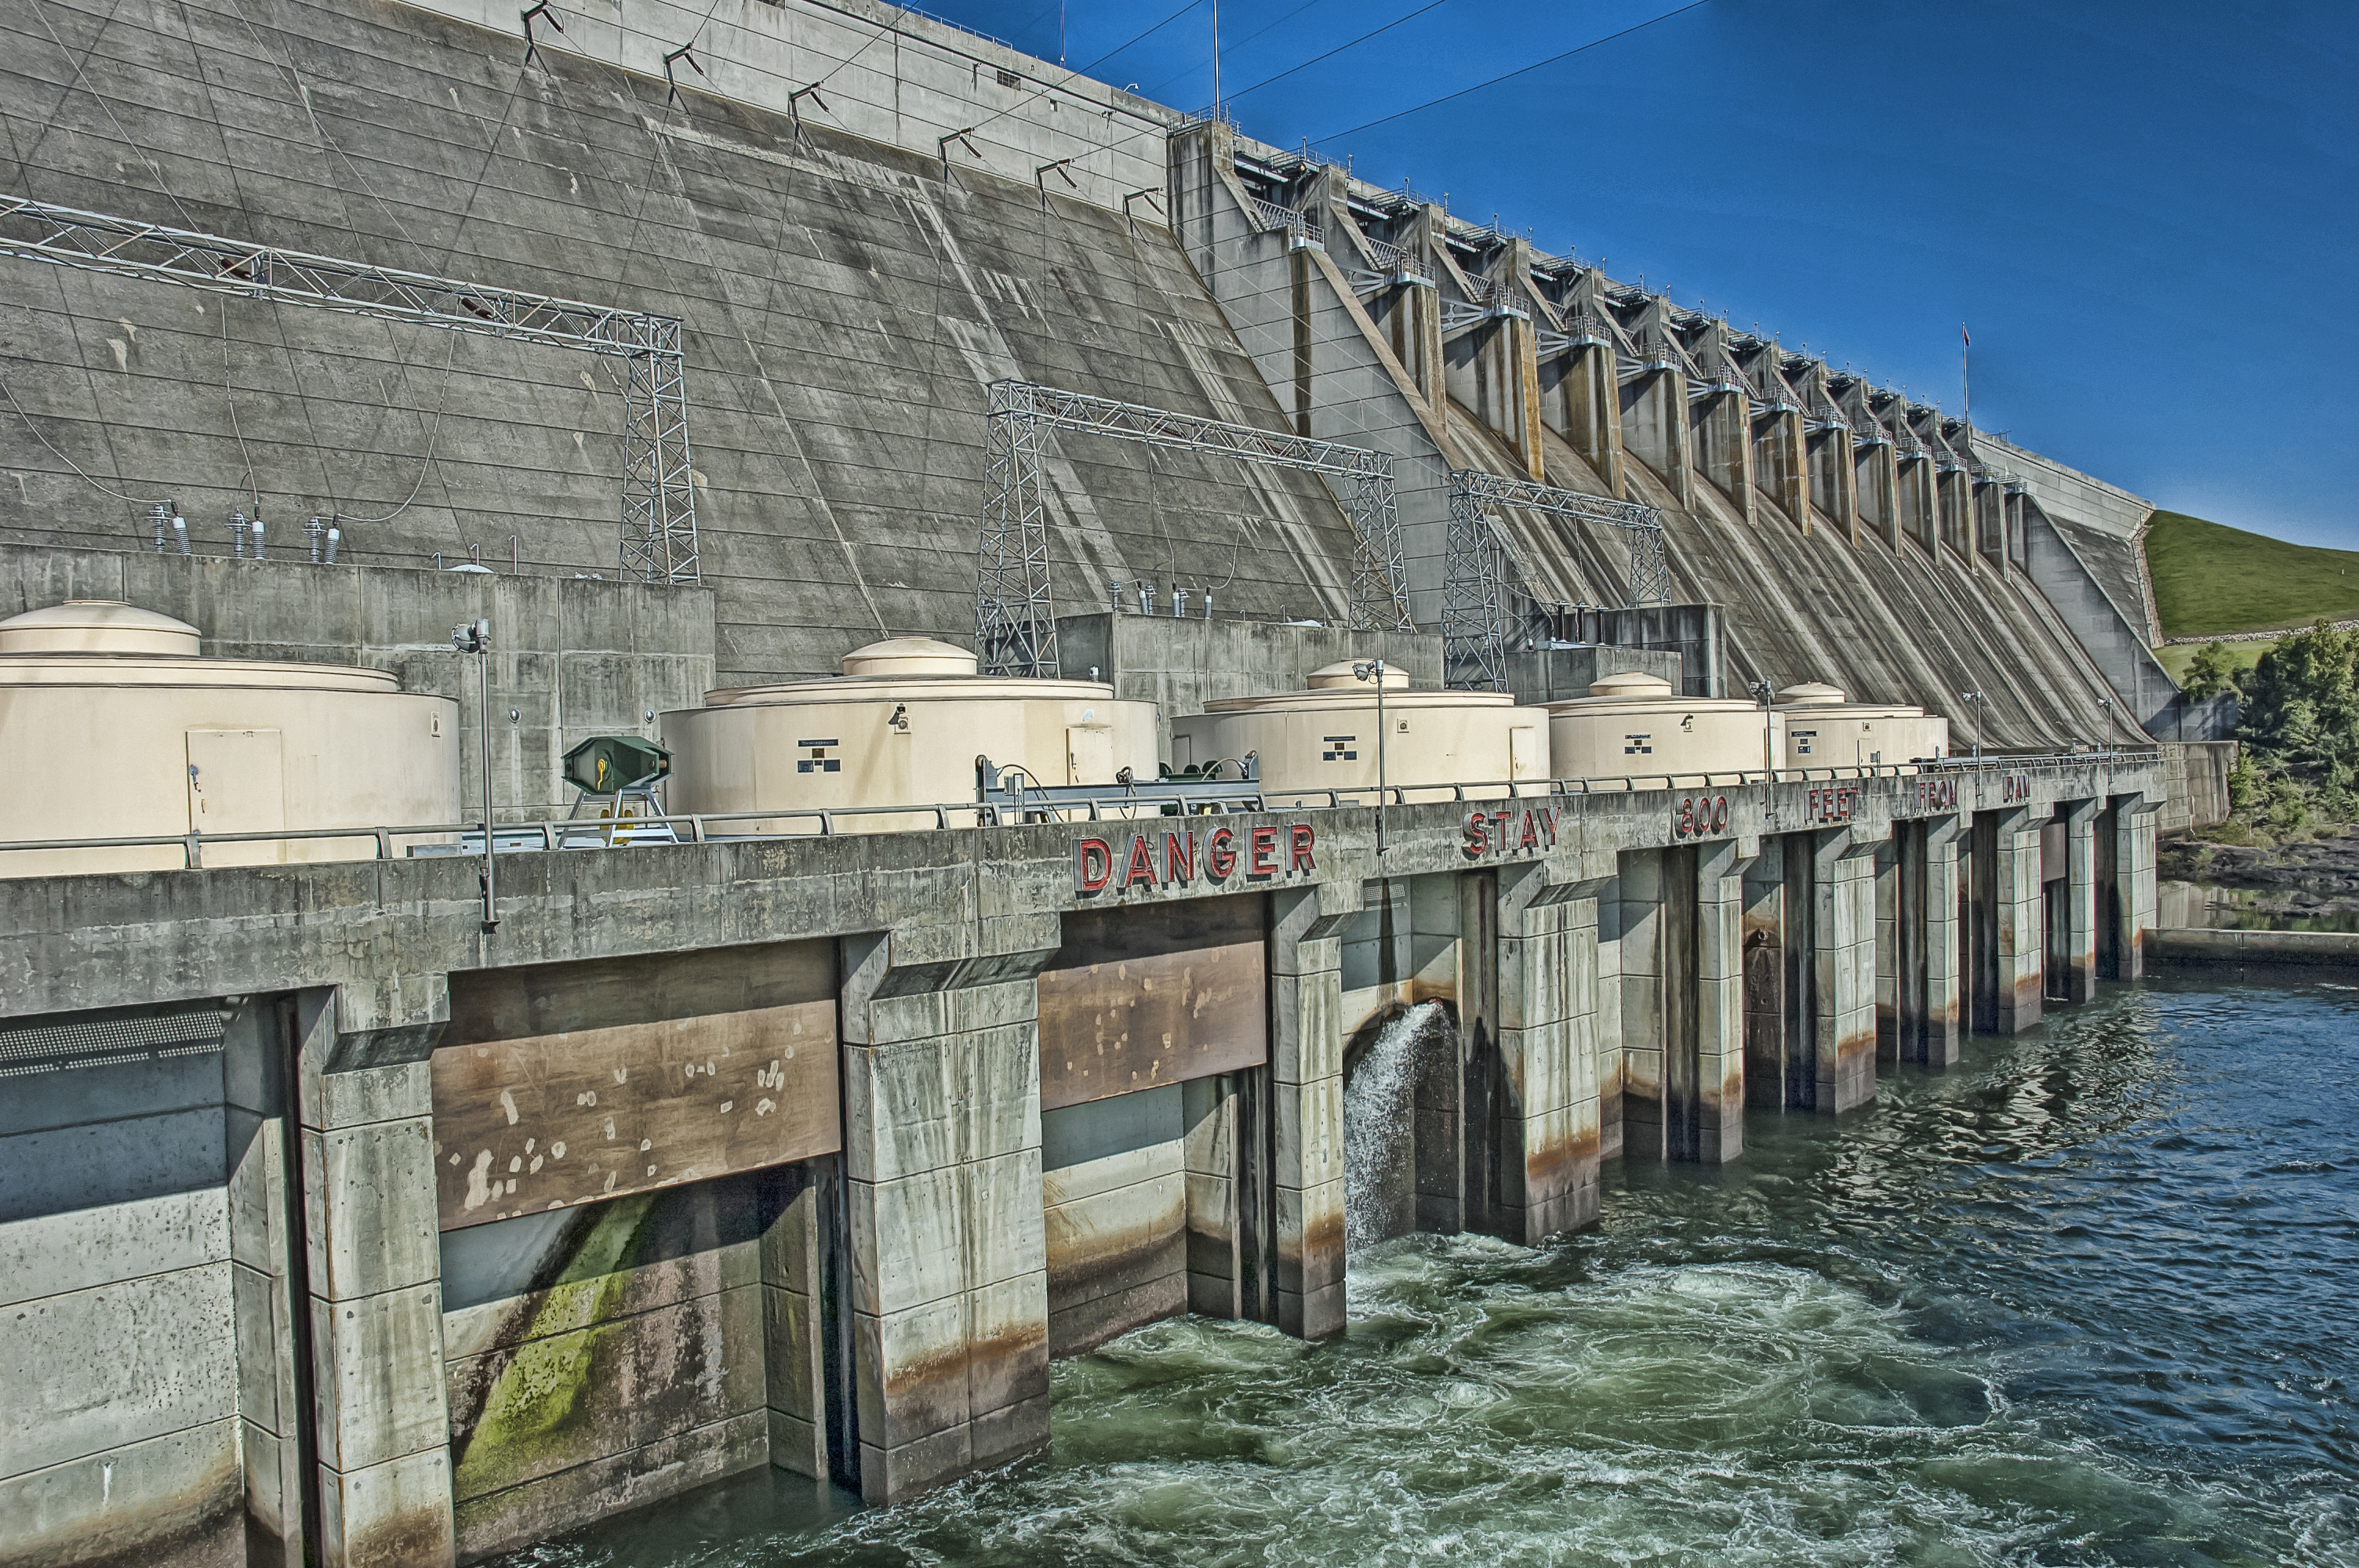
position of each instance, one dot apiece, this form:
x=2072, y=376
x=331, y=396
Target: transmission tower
x=1014, y=613
x=1480, y=571
x=658, y=499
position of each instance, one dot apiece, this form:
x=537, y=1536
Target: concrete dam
x=1425, y=722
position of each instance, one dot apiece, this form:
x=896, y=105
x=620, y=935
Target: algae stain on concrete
x=539, y=1408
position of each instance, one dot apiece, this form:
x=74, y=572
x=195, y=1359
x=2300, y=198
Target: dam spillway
x=439, y=1157
x=753, y=1166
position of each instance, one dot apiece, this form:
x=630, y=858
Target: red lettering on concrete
x=1220, y=854
x=1179, y=857
x=1092, y=865
x=1139, y=866
x=1297, y=848
x=1262, y=859
x=1477, y=842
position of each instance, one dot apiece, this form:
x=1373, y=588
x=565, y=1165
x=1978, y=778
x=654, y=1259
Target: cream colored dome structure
x=1825, y=730
x=130, y=732
x=1635, y=724
x=1325, y=738
x=902, y=726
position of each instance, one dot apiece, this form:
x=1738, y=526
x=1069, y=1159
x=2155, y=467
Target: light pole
x=2105, y=707
x=1767, y=696
x=1373, y=669
x=1976, y=698
x=475, y=637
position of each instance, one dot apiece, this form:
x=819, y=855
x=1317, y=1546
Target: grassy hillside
x=2210, y=579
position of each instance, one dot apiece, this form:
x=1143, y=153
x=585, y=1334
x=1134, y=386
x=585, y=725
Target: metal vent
x=109, y=1040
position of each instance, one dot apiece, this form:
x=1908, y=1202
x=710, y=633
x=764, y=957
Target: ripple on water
x=2088, y=1300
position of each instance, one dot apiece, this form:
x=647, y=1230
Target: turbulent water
x=2092, y=1299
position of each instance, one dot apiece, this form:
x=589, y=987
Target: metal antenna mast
x=1014, y=614
x=1479, y=571
x=658, y=499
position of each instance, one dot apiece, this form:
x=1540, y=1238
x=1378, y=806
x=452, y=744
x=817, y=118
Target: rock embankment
x=2310, y=878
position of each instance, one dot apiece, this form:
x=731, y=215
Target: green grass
x=2178, y=655
x=2209, y=578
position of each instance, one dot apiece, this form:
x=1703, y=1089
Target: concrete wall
x=1182, y=664
x=845, y=303
x=1114, y=1190
x=572, y=657
x=1556, y=674
x=2059, y=489
x=2114, y=639
x=602, y=1358
x=1293, y=312
x=136, y=1273
x=894, y=75
x=2195, y=783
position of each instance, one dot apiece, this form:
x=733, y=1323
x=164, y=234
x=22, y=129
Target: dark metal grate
x=110, y=1041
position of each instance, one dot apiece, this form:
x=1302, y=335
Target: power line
x=1524, y=70
x=1078, y=73
x=1339, y=49
x=36, y=429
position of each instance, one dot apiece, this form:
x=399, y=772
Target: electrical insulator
x=237, y=534
x=257, y=535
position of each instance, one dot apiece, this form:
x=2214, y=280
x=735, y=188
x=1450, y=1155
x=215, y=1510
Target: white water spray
x=1380, y=1133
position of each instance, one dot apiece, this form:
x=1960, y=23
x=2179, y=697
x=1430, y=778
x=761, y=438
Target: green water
x=2090, y=1298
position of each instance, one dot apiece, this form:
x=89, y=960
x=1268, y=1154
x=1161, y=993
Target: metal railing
x=1588, y=327
x=677, y=829
x=1291, y=219
x=1398, y=263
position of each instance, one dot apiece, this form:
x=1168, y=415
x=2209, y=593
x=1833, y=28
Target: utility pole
x=1767, y=694
x=1216, y=59
x=475, y=637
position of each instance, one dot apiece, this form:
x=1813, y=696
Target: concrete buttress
x=1548, y=1132
x=1305, y=1106
x=382, y=1422
x=2080, y=899
x=941, y=1141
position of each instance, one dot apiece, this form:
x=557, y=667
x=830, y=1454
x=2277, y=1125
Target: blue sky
x=2146, y=213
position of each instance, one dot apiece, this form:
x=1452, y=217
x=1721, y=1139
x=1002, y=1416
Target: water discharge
x=2089, y=1299
x=1379, y=1127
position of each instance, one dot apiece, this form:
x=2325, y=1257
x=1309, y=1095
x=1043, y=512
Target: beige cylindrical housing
x=1325, y=738
x=901, y=727
x=123, y=731
x=1823, y=730
x=1637, y=726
